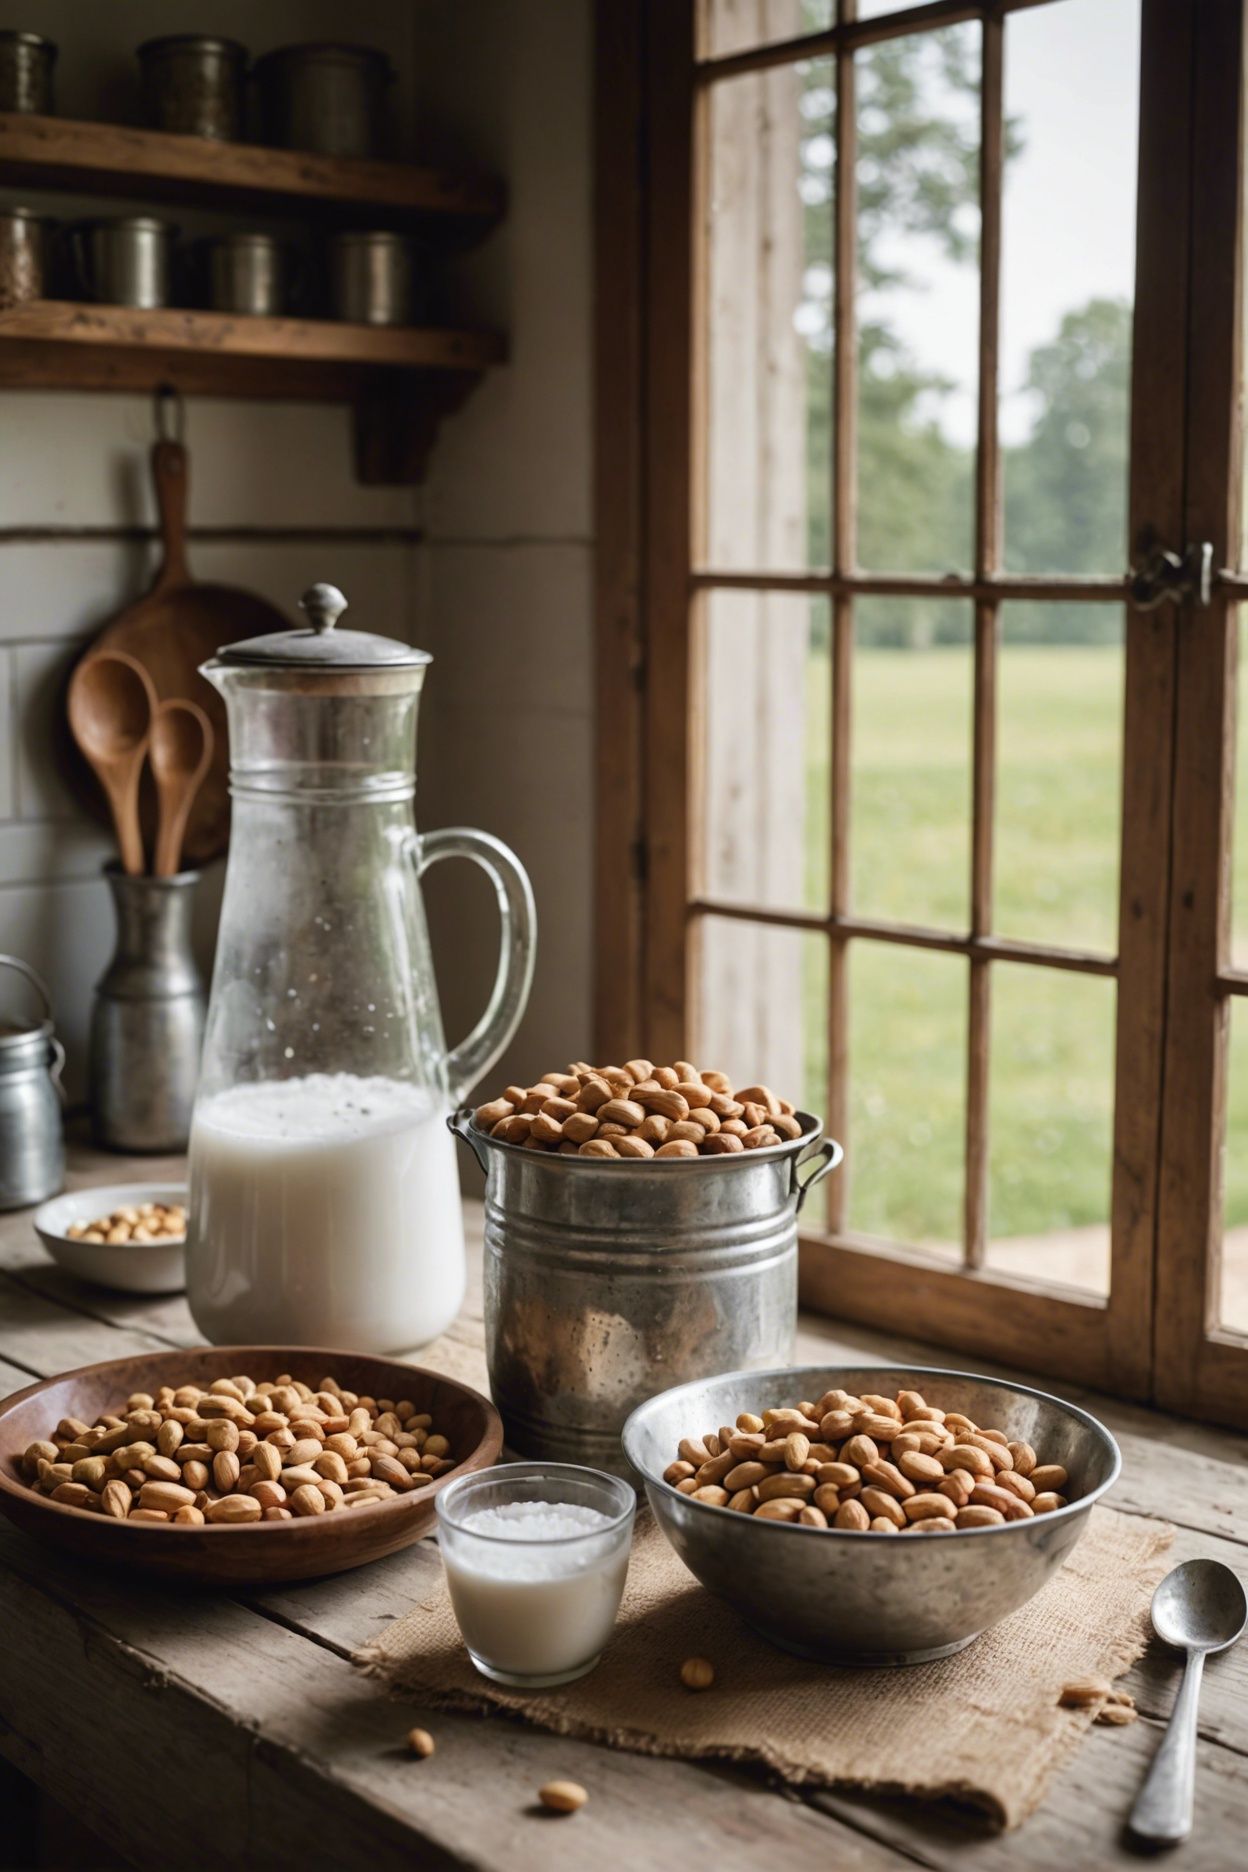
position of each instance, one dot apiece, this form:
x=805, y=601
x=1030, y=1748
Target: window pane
x=768, y=330
x=1059, y=774
x=1068, y=269
x=907, y=1095
x=911, y=755
x=735, y=25
x=1239, y=849
x=761, y=1014
x=766, y=750
x=918, y=298
x=1232, y=1299
x=1051, y=1086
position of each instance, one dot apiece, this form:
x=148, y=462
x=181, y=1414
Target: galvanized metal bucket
x=606, y=1282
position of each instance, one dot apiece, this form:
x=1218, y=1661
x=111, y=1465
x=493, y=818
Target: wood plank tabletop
x=205, y=1729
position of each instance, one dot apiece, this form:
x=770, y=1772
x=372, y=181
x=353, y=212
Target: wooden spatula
x=181, y=754
x=111, y=701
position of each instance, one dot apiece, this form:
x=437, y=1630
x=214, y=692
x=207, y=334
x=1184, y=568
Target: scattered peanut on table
x=869, y=1464
x=562, y=1797
x=638, y=1110
x=144, y=1222
x=238, y=1452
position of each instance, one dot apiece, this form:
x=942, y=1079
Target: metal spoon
x=1199, y=1607
x=111, y=699
x=180, y=753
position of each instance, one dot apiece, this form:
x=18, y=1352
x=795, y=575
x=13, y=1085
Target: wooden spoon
x=111, y=702
x=181, y=754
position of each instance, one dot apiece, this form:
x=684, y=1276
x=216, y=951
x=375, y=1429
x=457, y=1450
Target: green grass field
x=1059, y=782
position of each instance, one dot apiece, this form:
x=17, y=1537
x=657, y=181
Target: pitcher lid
x=320, y=646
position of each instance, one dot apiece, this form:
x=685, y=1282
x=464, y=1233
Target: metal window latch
x=1160, y=575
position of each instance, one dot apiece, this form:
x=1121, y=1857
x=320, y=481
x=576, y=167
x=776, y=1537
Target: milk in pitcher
x=325, y=1211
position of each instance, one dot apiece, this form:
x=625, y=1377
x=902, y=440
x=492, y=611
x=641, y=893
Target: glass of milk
x=536, y=1555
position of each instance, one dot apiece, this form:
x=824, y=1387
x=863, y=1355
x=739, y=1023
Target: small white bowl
x=135, y=1267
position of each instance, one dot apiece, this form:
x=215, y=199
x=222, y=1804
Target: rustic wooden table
x=203, y=1730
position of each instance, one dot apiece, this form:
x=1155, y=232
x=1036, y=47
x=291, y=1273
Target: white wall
x=501, y=592
x=507, y=571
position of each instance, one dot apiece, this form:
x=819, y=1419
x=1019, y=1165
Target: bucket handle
x=460, y=1122
x=825, y=1155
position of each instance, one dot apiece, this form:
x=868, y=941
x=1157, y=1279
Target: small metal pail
x=32, y=1147
x=606, y=1282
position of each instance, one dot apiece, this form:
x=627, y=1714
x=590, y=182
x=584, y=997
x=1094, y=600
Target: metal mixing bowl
x=871, y=1599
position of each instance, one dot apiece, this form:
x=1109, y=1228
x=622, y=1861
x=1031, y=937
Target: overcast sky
x=1072, y=81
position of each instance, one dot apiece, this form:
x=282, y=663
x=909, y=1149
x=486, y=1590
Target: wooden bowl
x=264, y=1552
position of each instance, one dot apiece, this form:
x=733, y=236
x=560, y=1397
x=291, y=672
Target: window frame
x=651, y=129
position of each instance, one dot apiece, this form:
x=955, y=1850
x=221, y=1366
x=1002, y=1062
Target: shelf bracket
x=397, y=418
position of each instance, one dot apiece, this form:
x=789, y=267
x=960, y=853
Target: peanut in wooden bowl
x=261, y=1553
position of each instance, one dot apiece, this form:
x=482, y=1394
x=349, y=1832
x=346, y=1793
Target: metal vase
x=147, y=1025
x=608, y=1282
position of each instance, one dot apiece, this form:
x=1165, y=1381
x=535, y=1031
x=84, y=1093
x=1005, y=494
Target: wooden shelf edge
x=115, y=159
x=65, y=328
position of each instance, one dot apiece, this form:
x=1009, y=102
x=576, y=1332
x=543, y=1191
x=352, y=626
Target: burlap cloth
x=983, y=1727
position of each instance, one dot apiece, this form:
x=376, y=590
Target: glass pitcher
x=324, y=1206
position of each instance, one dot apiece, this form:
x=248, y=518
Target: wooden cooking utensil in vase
x=180, y=755
x=111, y=701
x=177, y=626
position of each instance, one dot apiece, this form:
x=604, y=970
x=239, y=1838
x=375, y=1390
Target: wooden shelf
x=402, y=380
x=51, y=343
x=150, y=165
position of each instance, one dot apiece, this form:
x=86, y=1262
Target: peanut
x=241, y=1452
x=647, y=1104
x=867, y=1464
x=562, y=1797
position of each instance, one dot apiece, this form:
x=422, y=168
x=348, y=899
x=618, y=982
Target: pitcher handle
x=517, y=947
x=825, y=1155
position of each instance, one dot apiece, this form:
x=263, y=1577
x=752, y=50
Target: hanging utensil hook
x=169, y=412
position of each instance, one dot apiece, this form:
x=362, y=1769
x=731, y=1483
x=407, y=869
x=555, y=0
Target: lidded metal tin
x=193, y=85
x=26, y=61
x=608, y=1282
x=23, y=253
x=32, y=1146
x=373, y=277
x=247, y=274
x=326, y=98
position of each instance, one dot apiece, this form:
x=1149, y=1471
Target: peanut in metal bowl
x=861, y=1598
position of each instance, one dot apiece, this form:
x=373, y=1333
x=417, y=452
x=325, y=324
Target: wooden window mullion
x=987, y=562
x=844, y=560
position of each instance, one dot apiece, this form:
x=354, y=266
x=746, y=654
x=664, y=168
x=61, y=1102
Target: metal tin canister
x=373, y=277
x=247, y=274
x=326, y=98
x=32, y=1144
x=124, y=260
x=23, y=255
x=26, y=62
x=193, y=85
x=606, y=1282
